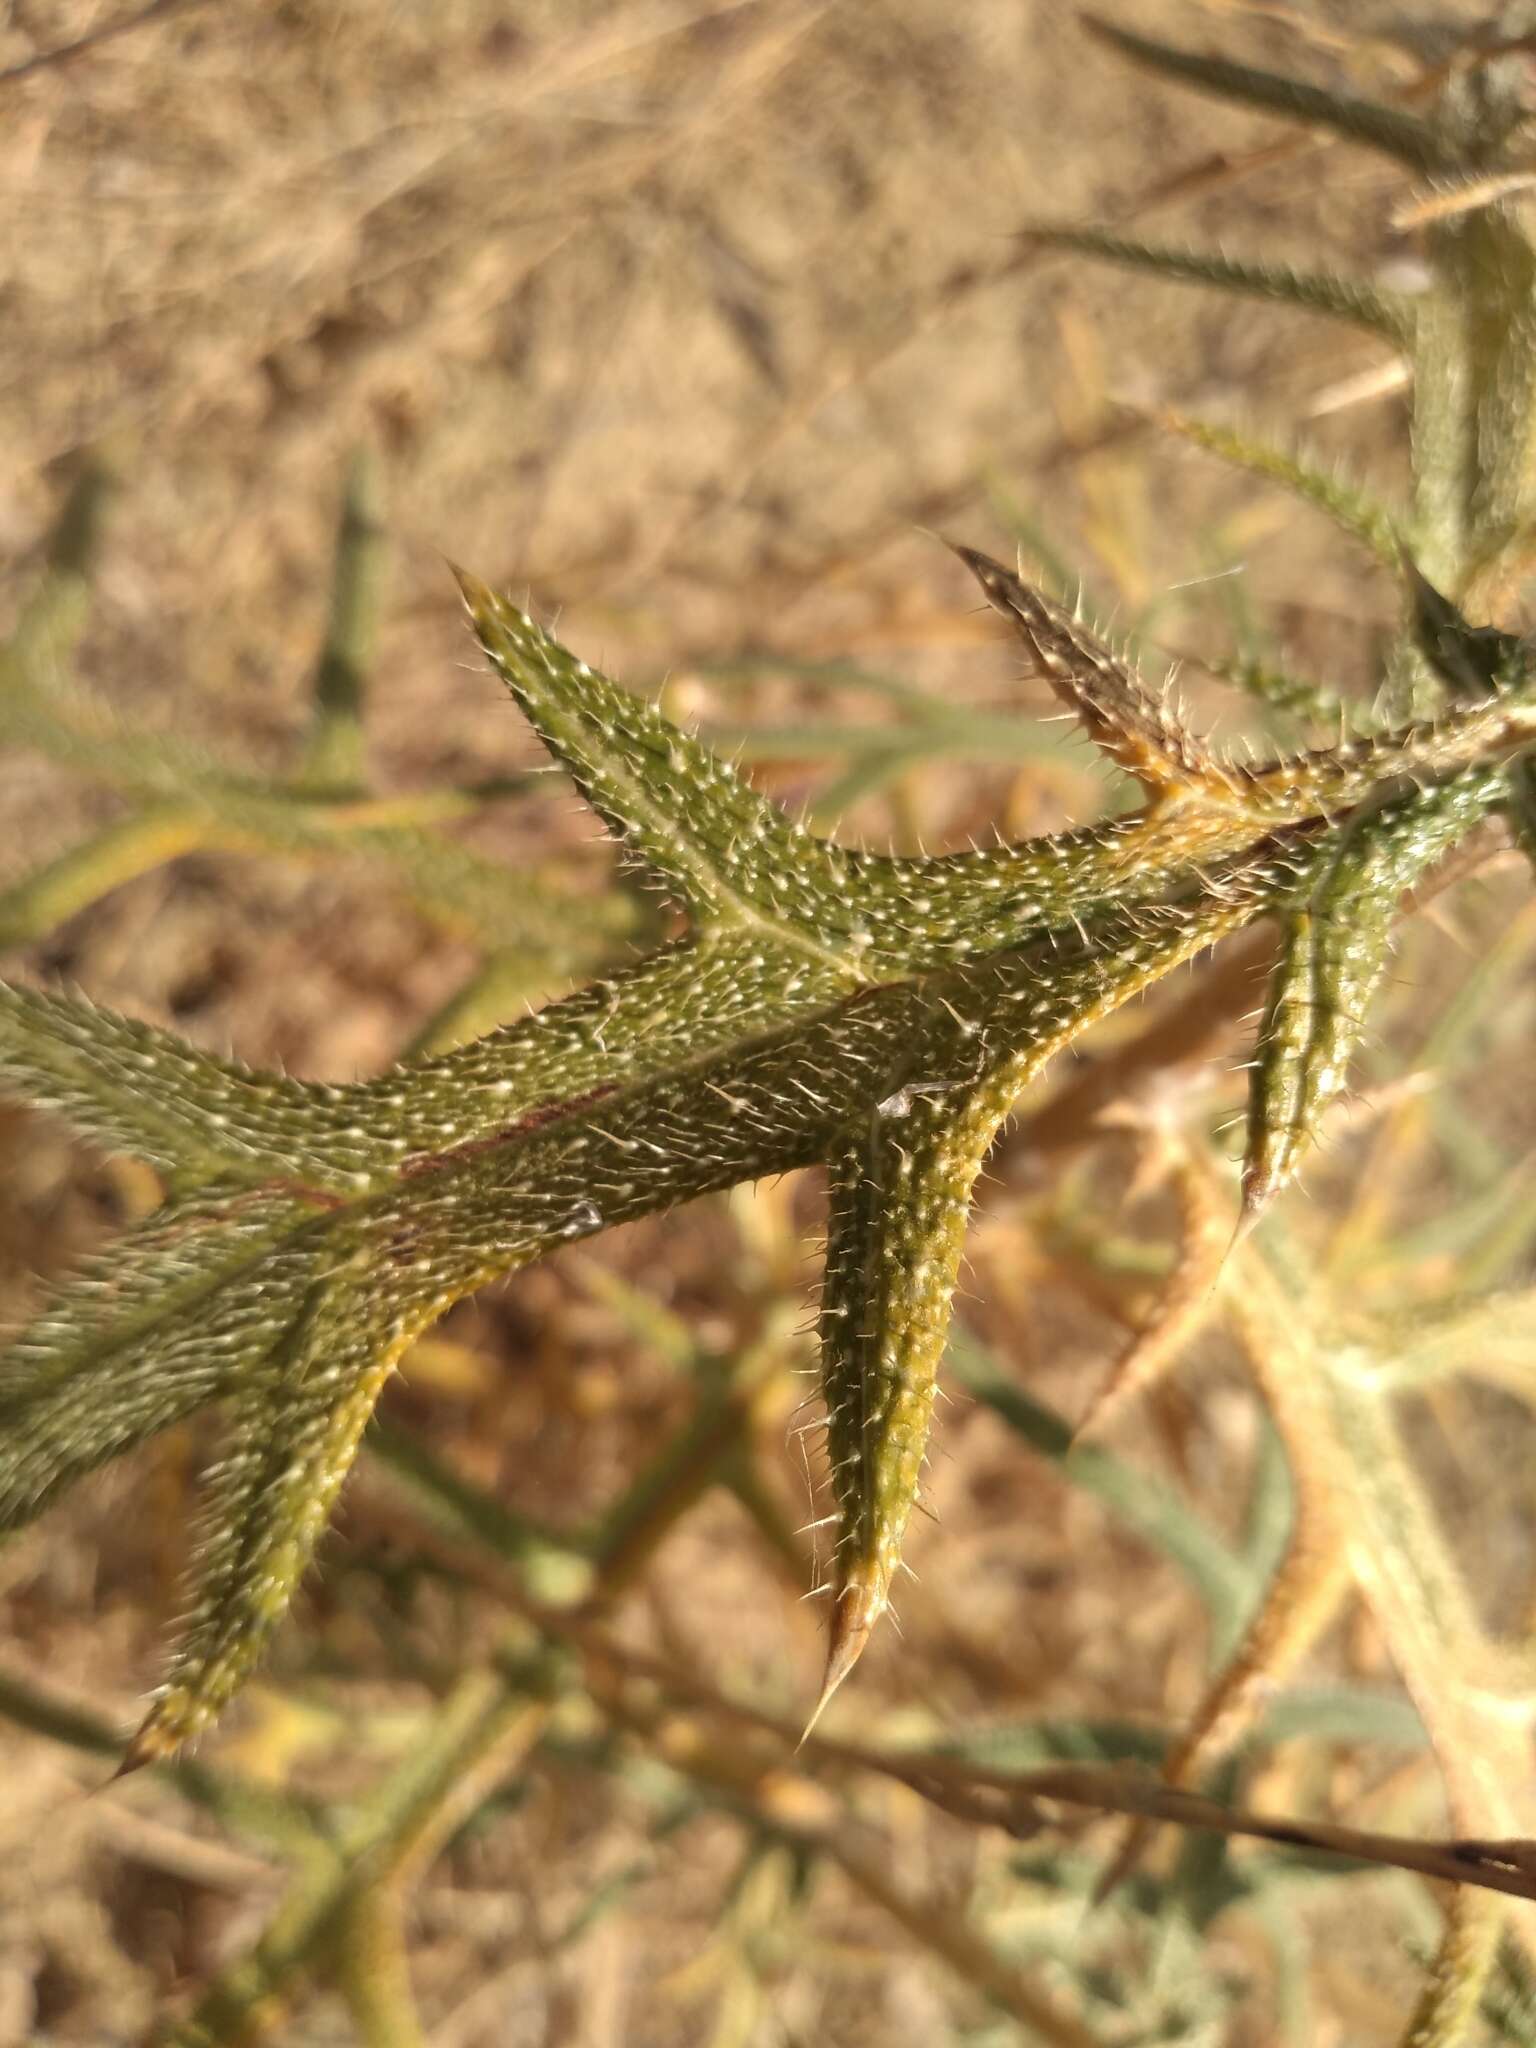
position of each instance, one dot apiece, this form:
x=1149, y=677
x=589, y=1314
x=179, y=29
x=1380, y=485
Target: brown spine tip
x=989, y=574
x=147, y=1746
x=854, y=1613
x=170, y=1722
x=1260, y=1188
x=478, y=596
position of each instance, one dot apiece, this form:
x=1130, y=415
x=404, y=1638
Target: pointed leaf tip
x=1123, y=720
x=856, y=1609
x=149, y=1744
x=899, y=1190
x=1368, y=123
x=1336, y=296
x=479, y=598
x=723, y=851
x=1259, y=1189
x=991, y=575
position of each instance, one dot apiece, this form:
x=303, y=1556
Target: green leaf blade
x=1337, y=298
x=163, y=1323
x=1385, y=129
x=899, y=1190
x=1336, y=946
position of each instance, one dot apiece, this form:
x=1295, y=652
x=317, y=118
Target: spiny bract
x=876, y=1015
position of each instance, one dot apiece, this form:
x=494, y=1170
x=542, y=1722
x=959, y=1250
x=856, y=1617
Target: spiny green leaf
x=826, y=1006
x=668, y=1015
x=1220, y=803
x=1300, y=785
x=149, y=1332
x=293, y=1431
x=1120, y=716
x=899, y=1188
x=1296, y=695
x=1341, y=298
x=1337, y=941
x=900, y=1185
x=877, y=1014
x=373, y=1272
x=734, y=859
x=135, y=1089
x=1402, y=136
x=138, y=1089
x=1350, y=507
x=677, y=808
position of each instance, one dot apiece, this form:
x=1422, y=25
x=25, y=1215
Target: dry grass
x=690, y=317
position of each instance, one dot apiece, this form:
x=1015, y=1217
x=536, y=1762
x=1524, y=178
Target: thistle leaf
x=668, y=1014
x=1344, y=502
x=680, y=811
x=1329, y=778
x=1136, y=730
x=1340, y=298
x=293, y=1432
x=899, y=1189
x=831, y=1006
x=734, y=859
x=135, y=1089
x=826, y=1006
x=1117, y=712
x=1296, y=695
x=1336, y=944
x=1385, y=129
x=899, y=1192
x=148, y=1333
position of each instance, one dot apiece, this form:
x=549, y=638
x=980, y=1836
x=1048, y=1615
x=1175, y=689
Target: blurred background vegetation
x=691, y=319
